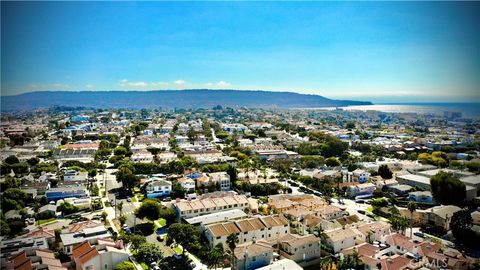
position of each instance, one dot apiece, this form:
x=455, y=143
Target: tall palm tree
x=411, y=206
x=232, y=241
x=394, y=212
x=120, y=207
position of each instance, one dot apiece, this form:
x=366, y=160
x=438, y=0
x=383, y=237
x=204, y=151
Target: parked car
x=419, y=234
x=160, y=238
x=97, y=217
x=361, y=212
x=129, y=199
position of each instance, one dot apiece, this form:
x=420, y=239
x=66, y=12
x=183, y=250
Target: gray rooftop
x=217, y=217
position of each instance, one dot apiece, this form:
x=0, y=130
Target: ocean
x=468, y=110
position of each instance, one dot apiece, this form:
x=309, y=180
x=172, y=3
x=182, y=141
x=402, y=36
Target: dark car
x=361, y=212
x=159, y=238
x=419, y=234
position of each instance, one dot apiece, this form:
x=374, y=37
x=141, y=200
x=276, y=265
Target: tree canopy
x=447, y=189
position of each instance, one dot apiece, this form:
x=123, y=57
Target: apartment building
x=268, y=227
x=206, y=205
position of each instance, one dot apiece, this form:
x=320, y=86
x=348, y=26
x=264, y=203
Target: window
x=254, y=258
x=106, y=266
x=218, y=237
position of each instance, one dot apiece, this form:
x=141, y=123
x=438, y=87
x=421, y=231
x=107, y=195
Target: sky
x=376, y=51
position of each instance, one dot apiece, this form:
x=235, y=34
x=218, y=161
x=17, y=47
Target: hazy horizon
x=383, y=52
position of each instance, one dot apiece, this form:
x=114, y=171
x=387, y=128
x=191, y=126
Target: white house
x=158, y=188
x=72, y=175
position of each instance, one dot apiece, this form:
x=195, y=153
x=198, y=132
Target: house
x=342, y=239
x=48, y=210
x=70, y=240
x=42, y=232
x=158, y=188
x=365, y=189
x=105, y=254
x=33, y=258
x=268, y=227
x=304, y=250
x=222, y=179
x=400, y=190
x=374, y=231
x=282, y=264
x=142, y=156
x=217, y=217
x=421, y=196
x=187, y=183
x=440, y=215
x=72, y=175
x=54, y=194
x=252, y=255
x=13, y=246
x=210, y=204
x=13, y=214
x=358, y=175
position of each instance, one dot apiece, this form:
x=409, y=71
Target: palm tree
x=232, y=241
x=120, y=207
x=325, y=263
x=412, y=206
x=393, y=211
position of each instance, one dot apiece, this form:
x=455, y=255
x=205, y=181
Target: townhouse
x=206, y=205
x=268, y=227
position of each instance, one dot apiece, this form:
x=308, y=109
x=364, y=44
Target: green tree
x=12, y=160
x=460, y=224
x=148, y=253
x=332, y=162
x=150, y=208
x=184, y=234
x=125, y=265
x=412, y=207
x=67, y=208
x=168, y=214
x=385, y=172
x=351, y=261
x=126, y=176
x=447, y=189
x=232, y=241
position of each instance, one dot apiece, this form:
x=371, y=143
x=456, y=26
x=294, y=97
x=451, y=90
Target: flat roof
x=415, y=178
x=473, y=180
x=217, y=217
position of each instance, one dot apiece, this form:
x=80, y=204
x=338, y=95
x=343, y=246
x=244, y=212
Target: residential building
x=342, y=239
x=304, y=250
x=158, y=188
x=70, y=240
x=364, y=189
x=205, y=205
x=268, y=227
x=105, y=254
x=72, y=175
x=33, y=258
x=252, y=255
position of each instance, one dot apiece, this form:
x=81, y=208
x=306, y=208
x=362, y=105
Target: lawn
x=162, y=222
x=107, y=204
x=178, y=250
x=144, y=266
x=43, y=221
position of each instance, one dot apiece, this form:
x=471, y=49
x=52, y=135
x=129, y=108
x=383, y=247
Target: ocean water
x=469, y=110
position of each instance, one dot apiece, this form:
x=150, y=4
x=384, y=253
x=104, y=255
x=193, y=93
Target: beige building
x=252, y=255
x=304, y=250
x=268, y=227
x=343, y=238
x=202, y=206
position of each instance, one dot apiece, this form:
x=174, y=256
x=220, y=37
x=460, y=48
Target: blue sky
x=383, y=52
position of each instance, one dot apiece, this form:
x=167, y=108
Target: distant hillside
x=195, y=98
